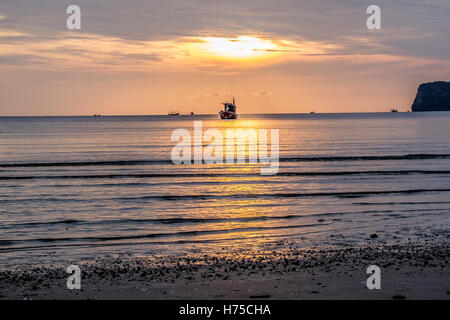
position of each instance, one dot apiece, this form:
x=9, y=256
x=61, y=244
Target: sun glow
x=240, y=47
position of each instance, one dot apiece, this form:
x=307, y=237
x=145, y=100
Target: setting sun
x=240, y=47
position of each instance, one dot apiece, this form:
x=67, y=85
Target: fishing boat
x=229, y=111
x=174, y=113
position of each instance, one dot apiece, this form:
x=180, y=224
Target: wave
x=347, y=194
x=212, y=175
x=107, y=239
x=85, y=163
x=378, y=172
x=420, y=156
x=283, y=159
x=209, y=220
x=158, y=235
x=282, y=195
x=401, y=203
x=146, y=243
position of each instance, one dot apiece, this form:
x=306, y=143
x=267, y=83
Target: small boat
x=312, y=112
x=173, y=113
x=394, y=110
x=192, y=113
x=229, y=111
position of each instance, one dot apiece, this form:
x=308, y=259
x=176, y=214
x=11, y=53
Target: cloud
x=71, y=51
x=142, y=57
x=158, y=30
x=326, y=21
x=12, y=34
x=209, y=95
x=156, y=51
x=262, y=93
x=24, y=59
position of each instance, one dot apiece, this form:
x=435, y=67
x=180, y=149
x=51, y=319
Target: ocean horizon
x=187, y=114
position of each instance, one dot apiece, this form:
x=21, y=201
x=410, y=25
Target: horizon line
x=199, y=114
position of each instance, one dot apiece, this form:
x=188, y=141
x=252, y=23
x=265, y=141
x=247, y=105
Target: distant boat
x=394, y=110
x=229, y=111
x=174, y=113
x=97, y=115
x=312, y=112
x=192, y=113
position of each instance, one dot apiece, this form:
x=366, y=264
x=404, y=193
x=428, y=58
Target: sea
x=74, y=188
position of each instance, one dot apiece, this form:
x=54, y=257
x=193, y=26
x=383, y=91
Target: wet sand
x=409, y=270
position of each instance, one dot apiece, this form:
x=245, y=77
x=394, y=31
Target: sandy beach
x=409, y=270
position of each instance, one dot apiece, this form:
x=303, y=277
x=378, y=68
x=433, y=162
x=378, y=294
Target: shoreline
x=409, y=270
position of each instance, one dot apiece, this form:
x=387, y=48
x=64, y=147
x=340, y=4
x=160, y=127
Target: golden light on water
x=240, y=47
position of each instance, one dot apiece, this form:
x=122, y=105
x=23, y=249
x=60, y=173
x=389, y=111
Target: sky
x=139, y=57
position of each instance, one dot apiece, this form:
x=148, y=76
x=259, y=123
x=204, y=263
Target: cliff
x=432, y=96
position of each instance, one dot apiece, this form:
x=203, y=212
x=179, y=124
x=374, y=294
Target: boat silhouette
x=229, y=111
